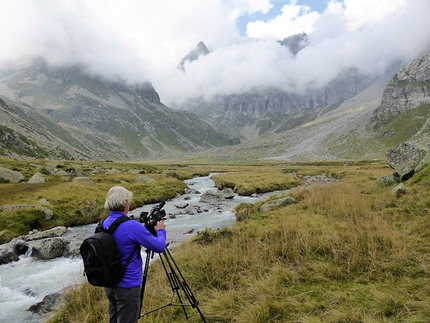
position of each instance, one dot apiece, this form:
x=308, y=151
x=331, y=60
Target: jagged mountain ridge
x=365, y=126
x=265, y=111
x=103, y=120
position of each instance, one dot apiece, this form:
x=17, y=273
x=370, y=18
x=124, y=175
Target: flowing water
x=28, y=281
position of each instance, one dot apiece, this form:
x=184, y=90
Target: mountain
x=199, y=50
x=392, y=110
x=62, y=113
x=90, y=118
x=295, y=43
x=263, y=111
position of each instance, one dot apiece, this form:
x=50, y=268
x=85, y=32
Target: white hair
x=116, y=198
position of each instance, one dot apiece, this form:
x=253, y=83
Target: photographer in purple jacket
x=124, y=298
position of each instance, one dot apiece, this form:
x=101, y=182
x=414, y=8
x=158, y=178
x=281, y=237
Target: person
x=124, y=298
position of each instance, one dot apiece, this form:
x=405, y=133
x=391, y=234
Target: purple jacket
x=129, y=236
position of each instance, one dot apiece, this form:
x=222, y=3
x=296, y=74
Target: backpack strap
x=111, y=229
x=115, y=224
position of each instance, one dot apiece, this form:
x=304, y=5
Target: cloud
x=294, y=19
x=145, y=40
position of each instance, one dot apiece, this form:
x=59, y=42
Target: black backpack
x=101, y=256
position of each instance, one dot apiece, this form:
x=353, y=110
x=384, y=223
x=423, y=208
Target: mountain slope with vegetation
x=100, y=119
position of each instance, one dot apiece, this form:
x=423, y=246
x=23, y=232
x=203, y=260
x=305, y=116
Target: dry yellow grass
x=346, y=252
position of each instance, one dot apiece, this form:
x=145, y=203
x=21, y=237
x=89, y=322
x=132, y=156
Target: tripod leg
x=187, y=290
x=173, y=280
x=149, y=254
x=176, y=281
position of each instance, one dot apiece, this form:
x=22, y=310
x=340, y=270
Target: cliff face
x=265, y=111
x=271, y=110
x=408, y=89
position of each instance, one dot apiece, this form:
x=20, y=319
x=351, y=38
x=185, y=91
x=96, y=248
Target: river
x=28, y=281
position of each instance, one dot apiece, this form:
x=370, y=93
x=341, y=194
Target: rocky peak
x=408, y=89
x=194, y=54
x=295, y=43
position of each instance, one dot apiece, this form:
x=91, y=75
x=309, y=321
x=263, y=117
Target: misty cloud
x=141, y=41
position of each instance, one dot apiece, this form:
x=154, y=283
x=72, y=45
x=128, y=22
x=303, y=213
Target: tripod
x=176, y=281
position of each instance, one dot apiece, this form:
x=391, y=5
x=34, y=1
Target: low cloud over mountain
x=144, y=41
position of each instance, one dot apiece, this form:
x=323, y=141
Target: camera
x=150, y=219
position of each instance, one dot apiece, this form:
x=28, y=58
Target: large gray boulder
x=10, y=252
x=10, y=176
x=51, y=233
x=399, y=190
x=388, y=180
x=215, y=196
x=211, y=197
x=50, y=303
x=227, y=193
x=7, y=254
x=36, y=179
x=405, y=158
x=49, y=248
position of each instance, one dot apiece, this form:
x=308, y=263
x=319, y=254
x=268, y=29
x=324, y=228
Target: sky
x=144, y=41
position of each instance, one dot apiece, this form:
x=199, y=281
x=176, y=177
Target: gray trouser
x=124, y=304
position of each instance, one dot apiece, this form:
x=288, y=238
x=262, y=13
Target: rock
x=211, y=197
x=49, y=248
x=404, y=159
x=44, y=201
x=399, y=190
x=50, y=168
x=7, y=254
x=227, y=193
x=113, y=171
x=62, y=173
x=181, y=205
x=273, y=204
x=408, y=89
x=145, y=179
x=51, y=233
x=82, y=179
x=10, y=252
x=36, y=179
x=10, y=176
x=424, y=162
x=191, y=210
x=191, y=191
x=50, y=303
x=387, y=180
x=216, y=196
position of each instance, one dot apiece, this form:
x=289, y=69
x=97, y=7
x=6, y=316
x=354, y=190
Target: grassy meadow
x=345, y=252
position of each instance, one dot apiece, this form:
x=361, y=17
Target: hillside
x=91, y=118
